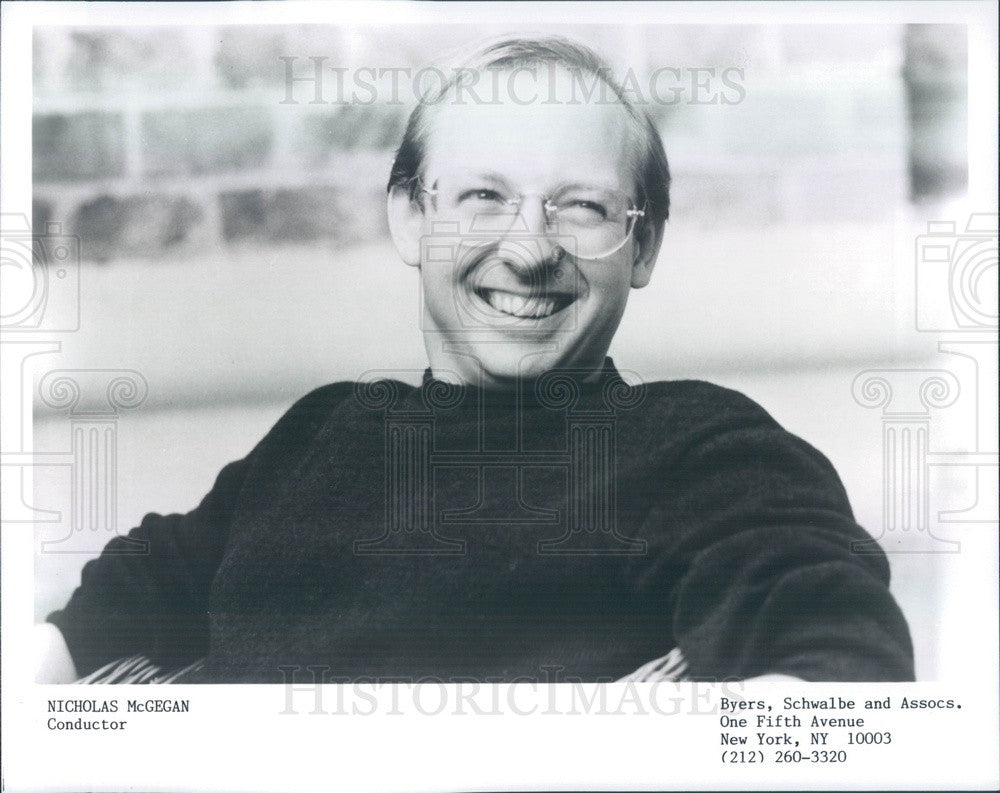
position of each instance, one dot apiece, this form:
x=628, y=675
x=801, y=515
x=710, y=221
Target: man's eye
x=583, y=207
x=483, y=194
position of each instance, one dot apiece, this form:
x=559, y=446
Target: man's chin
x=519, y=365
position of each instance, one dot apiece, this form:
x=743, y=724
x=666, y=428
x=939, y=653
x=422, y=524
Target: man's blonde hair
x=651, y=171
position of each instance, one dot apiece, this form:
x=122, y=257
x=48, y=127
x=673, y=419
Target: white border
x=236, y=738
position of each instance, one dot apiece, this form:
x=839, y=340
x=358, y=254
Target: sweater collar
x=584, y=380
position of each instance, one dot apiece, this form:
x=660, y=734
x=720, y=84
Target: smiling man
x=523, y=514
x=553, y=210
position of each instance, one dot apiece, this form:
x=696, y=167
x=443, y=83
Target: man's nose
x=530, y=247
x=532, y=217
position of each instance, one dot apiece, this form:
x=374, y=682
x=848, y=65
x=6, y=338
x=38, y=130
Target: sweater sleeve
x=155, y=601
x=152, y=601
x=775, y=580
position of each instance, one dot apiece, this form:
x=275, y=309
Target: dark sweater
x=557, y=532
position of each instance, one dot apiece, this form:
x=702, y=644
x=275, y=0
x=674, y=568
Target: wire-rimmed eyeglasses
x=600, y=219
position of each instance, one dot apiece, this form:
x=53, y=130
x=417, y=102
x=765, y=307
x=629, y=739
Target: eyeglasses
x=600, y=220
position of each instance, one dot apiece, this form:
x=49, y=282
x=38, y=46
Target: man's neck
x=480, y=379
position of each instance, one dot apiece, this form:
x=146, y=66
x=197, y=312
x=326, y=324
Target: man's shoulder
x=325, y=397
x=699, y=414
x=307, y=417
x=702, y=401
x=321, y=403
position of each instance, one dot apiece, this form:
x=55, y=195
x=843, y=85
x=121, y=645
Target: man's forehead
x=535, y=122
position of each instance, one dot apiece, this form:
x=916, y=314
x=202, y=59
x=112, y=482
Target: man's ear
x=406, y=224
x=649, y=239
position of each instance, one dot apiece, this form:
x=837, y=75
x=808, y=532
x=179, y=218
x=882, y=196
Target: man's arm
x=773, y=582
x=153, y=602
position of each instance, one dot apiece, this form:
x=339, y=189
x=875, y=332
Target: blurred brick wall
x=155, y=143
x=158, y=143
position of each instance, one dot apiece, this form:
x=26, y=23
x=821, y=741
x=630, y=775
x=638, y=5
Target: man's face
x=502, y=305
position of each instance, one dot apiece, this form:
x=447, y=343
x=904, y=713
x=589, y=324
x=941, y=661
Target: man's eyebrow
x=499, y=178
x=492, y=176
x=588, y=186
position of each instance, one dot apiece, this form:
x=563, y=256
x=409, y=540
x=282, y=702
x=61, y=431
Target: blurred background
x=234, y=250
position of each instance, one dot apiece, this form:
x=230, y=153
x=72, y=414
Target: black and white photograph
x=545, y=348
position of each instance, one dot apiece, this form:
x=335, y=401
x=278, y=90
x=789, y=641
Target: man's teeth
x=517, y=306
